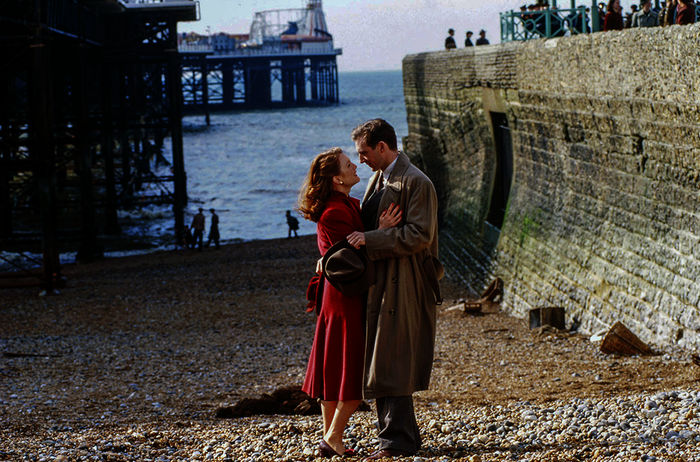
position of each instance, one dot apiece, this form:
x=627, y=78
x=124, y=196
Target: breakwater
x=570, y=168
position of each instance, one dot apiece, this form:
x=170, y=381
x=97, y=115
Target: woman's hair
x=610, y=5
x=318, y=184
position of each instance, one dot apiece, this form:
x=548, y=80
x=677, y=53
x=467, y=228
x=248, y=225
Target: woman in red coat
x=685, y=12
x=335, y=369
x=613, y=17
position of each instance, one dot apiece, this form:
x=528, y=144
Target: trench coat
x=401, y=312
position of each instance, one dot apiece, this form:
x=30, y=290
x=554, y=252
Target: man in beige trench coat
x=401, y=305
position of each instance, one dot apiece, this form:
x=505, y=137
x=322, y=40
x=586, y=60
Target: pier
x=287, y=59
x=90, y=90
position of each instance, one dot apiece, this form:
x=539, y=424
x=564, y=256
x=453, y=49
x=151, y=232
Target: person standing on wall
x=401, y=311
x=645, y=17
x=668, y=13
x=198, y=223
x=482, y=40
x=450, y=43
x=630, y=16
x=685, y=12
x=468, y=41
x=613, y=16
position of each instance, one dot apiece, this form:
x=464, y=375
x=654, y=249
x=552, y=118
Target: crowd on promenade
x=540, y=19
x=645, y=15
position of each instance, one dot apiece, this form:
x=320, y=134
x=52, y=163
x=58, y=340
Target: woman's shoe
x=326, y=450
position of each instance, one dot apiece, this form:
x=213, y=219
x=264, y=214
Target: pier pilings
x=90, y=91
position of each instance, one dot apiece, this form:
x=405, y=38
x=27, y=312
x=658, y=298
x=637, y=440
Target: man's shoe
x=387, y=453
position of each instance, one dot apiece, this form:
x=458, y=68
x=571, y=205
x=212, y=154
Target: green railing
x=526, y=25
x=555, y=22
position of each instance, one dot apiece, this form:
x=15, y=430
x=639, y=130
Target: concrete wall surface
x=603, y=215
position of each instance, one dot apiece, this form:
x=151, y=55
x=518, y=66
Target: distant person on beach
x=334, y=372
x=293, y=225
x=468, y=40
x=187, y=239
x=214, y=229
x=482, y=40
x=400, y=308
x=450, y=43
x=197, y=226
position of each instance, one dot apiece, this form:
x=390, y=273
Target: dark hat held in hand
x=348, y=269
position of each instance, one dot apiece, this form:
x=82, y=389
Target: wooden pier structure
x=214, y=82
x=90, y=90
x=288, y=59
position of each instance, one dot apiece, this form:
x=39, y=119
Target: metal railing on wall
x=526, y=25
x=555, y=22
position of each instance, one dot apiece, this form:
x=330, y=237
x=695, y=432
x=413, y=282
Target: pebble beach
x=132, y=359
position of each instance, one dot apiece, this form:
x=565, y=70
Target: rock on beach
x=132, y=359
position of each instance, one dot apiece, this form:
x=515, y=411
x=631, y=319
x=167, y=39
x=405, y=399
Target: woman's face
x=347, y=175
x=616, y=6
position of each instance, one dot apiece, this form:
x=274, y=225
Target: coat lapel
x=371, y=186
x=393, y=187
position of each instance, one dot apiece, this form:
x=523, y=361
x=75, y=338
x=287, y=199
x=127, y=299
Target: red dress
x=336, y=362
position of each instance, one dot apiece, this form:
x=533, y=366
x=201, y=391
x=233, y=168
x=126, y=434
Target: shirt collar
x=387, y=171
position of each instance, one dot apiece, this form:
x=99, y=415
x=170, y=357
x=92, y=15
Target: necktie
x=380, y=183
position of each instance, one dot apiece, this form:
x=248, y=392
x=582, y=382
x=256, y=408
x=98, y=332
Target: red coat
x=685, y=14
x=613, y=21
x=336, y=363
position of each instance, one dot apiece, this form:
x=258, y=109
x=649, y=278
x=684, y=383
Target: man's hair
x=450, y=31
x=373, y=131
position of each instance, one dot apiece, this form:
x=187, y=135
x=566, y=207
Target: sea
x=249, y=165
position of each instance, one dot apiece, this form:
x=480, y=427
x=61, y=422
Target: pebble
x=162, y=411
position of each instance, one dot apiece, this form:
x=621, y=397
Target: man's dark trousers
x=198, y=238
x=398, y=428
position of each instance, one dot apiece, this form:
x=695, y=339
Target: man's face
x=370, y=156
x=647, y=7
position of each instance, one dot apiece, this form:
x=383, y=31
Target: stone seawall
x=603, y=214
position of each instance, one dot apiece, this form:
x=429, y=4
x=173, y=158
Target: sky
x=375, y=35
